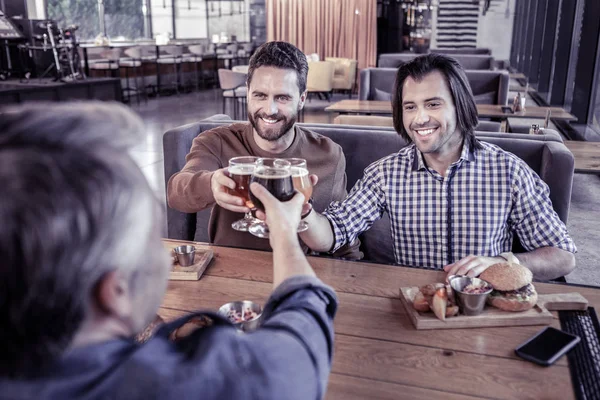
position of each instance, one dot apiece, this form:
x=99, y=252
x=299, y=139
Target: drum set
x=66, y=64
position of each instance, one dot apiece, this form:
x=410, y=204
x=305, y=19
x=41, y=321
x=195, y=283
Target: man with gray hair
x=84, y=271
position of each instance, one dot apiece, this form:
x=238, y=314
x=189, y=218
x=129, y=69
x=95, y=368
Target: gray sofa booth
x=545, y=154
x=468, y=61
x=464, y=50
x=488, y=87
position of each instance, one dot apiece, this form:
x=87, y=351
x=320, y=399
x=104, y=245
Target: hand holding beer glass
x=276, y=176
x=240, y=170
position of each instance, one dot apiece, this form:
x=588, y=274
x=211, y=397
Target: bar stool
x=109, y=61
x=233, y=85
x=148, y=55
x=173, y=56
x=195, y=54
x=133, y=61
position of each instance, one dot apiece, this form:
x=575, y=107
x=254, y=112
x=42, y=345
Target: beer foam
x=299, y=171
x=241, y=169
x=270, y=173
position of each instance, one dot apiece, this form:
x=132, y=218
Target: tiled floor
x=165, y=113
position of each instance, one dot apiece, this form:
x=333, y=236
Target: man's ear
x=302, y=100
x=113, y=295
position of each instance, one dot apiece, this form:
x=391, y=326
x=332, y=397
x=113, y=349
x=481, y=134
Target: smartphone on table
x=507, y=110
x=547, y=346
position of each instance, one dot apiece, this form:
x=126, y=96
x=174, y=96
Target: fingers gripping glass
x=240, y=170
x=275, y=175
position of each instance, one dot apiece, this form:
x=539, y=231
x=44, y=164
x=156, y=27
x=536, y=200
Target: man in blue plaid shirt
x=454, y=202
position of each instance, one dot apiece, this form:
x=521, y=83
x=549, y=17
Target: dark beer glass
x=275, y=175
x=240, y=170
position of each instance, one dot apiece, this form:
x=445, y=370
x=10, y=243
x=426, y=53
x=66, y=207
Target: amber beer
x=278, y=182
x=302, y=182
x=241, y=175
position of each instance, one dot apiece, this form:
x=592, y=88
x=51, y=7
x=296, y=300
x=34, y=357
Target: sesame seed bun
x=507, y=276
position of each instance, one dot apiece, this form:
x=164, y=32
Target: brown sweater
x=189, y=190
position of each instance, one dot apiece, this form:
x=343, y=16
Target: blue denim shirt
x=289, y=357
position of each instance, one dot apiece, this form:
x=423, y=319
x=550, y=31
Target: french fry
x=428, y=290
x=451, y=311
x=420, y=303
x=450, y=294
x=440, y=303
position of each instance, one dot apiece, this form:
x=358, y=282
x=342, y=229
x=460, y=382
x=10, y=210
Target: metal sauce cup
x=469, y=303
x=238, y=306
x=185, y=255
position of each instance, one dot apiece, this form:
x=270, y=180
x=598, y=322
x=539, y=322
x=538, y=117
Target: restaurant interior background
x=554, y=43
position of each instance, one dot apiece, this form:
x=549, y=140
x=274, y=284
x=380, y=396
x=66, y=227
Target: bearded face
x=274, y=101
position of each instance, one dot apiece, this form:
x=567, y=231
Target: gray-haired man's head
x=79, y=238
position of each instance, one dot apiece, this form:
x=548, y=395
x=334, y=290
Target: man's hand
x=472, y=265
x=281, y=217
x=220, y=182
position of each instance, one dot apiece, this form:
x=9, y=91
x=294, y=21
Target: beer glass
x=275, y=175
x=240, y=170
x=302, y=183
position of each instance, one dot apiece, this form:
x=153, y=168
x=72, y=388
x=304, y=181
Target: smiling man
x=276, y=94
x=454, y=202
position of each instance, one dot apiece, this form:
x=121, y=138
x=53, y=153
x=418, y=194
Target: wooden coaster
x=193, y=272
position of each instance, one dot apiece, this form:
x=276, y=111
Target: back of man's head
x=458, y=84
x=280, y=55
x=74, y=207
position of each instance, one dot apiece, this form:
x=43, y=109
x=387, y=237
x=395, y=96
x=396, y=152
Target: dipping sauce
x=236, y=316
x=476, y=289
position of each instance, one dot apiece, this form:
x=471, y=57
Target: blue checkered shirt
x=487, y=197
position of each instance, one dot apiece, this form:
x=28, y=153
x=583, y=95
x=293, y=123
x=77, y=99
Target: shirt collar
x=467, y=154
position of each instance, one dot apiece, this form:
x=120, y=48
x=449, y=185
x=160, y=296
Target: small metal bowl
x=236, y=307
x=185, y=255
x=469, y=303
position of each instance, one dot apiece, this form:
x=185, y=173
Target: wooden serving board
x=193, y=272
x=538, y=315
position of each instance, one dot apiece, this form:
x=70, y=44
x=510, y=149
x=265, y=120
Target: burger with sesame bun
x=513, y=290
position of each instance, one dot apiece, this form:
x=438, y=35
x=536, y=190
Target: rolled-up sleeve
x=364, y=205
x=294, y=345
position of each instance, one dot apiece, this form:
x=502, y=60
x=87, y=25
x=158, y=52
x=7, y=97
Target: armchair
x=344, y=74
x=320, y=77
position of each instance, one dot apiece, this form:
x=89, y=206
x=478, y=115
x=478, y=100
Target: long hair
x=280, y=55
x=72, y=205
x=462, y=96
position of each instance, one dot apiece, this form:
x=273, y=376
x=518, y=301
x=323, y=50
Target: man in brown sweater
x=276, y=93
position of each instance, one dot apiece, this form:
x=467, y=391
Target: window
x=190, y=19
x=76, y=12
x=124, y=19
x=162, y=17
x=229, y=20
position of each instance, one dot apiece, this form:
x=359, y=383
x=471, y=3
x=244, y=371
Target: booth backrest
x=488, y=87
x=545, y=154
x=388, y=122
x=464, y=50
x=467, y=61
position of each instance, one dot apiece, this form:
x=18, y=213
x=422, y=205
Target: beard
x=274, y=133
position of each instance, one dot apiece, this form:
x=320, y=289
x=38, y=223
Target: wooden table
x=378, y=353
x=483, y=110
x=536, y=112
x=586, y=154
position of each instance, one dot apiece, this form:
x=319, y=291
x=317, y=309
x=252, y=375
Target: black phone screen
x=507, y=110
x=547, y=346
